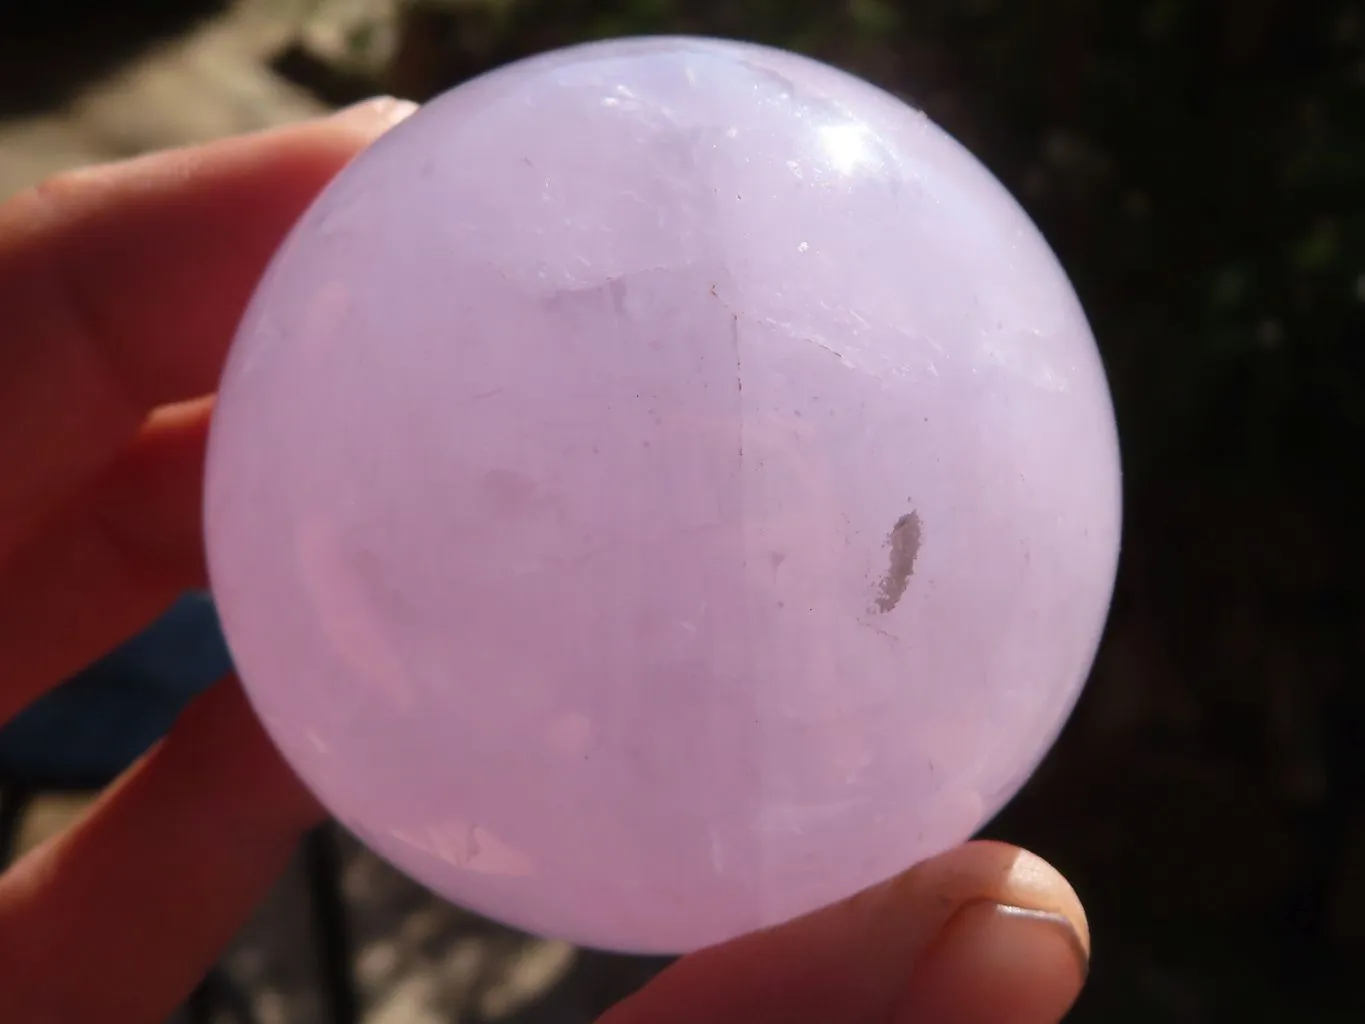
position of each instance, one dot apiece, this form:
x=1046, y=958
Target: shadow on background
x=1200, y=168
x=50, y=49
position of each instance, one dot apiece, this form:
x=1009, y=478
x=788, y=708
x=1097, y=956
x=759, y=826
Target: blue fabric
x=92, y=727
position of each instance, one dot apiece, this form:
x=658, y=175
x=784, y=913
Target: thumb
x=983, y=934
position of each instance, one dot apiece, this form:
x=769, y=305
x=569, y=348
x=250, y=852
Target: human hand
x=121, y=287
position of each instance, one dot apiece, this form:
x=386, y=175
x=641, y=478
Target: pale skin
x=120, y=287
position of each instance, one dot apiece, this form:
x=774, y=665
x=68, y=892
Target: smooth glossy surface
x=660, y=488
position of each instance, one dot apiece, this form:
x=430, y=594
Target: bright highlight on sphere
x=660, y=488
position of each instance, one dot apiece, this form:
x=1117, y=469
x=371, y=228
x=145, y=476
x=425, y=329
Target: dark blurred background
x=1199, y=166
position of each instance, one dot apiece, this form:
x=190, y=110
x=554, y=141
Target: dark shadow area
x=50, y=49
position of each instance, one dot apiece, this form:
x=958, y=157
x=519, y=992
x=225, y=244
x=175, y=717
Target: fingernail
x=380, y=112
x=994, y=962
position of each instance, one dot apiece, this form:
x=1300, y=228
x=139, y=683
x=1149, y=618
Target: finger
x=122, y=285
x=110, y=563
x=983, y=934
x=100, y=510
x=117, y=919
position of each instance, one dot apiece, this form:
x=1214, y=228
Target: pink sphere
x=660, y=488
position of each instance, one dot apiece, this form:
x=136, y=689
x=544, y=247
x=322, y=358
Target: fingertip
x=996, y=964
x=986, y=869
x=376, y=115
x=1012, y=945
x=985, y=933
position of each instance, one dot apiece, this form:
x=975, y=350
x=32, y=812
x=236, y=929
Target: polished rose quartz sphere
x=660, y=488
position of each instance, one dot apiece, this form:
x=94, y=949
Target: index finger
x=122, y=286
